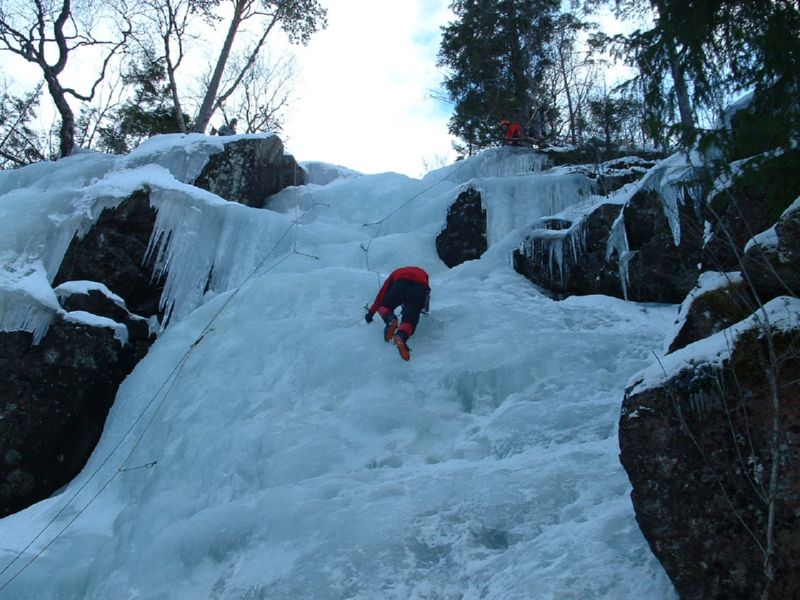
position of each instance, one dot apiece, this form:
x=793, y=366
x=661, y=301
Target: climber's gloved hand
x=369, y=316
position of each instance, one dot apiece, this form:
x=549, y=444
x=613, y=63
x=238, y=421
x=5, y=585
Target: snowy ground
x=299, y=457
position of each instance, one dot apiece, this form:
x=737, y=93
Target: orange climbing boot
x=391, y=327
x=400, y=341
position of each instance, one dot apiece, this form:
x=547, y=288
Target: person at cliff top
x=513, y=132
x=229, y=129
x=407, y=287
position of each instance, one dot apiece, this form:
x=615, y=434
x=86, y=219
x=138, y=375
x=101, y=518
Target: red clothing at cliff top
x=513, y=131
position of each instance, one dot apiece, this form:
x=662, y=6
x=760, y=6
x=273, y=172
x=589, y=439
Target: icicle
x=203, y=245
x=618, y=242
x=27, y=301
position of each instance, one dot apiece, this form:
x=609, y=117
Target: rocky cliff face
x=250, y=171
x=711, y=452
x=59, y=391
x=709, y=435
x=710, y=444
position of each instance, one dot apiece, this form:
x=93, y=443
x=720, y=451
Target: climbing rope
x=381, y=221
x=169, y=382
x=173, y=376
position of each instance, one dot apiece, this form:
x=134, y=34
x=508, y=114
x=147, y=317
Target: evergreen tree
x=149, y=112
x=495, y=54
x=20, y=143
x=698, y=55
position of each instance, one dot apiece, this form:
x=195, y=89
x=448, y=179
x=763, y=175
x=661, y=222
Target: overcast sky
x=364, y=89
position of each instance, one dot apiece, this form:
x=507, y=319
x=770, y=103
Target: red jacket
x=414, y=274
x=514, y=130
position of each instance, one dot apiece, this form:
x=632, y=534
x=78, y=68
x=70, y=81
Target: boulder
x=772, y=260
x=659, y=269
x=464, y=235
x=250, y=170
x=57, y=395
x=719, y=301
x=572, y=258
x=699, y=435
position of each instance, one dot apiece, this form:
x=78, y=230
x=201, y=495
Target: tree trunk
x=682, y=92
x=570, y=108
x=678, y=78
x=208, y=106
x=66, y=134
x=173, y=86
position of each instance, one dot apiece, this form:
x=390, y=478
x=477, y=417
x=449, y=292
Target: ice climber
x=407, y=287
x=513, y=132
x=229, y=129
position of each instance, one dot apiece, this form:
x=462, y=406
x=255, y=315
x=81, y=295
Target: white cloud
x=364, y=85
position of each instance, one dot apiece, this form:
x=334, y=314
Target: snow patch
x=782, y=314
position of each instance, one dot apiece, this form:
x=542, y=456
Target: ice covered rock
x=718, y=301
x=56, y=395
x=249, y=170
x=113, y=252
x=572, y=257
x=660, y=268
x=699, y=434
x=629, y=252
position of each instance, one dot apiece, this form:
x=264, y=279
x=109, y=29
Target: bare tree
x=91, y=119
x=168, y=24
x=574, y=73
x=263, y=95
x=298, y=18
x=47, y=33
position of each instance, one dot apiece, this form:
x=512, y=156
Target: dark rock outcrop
x=659, y=270
x=56, y=395
x=644, y=265
x=773, y=260
x=699, y=449
x=568, y=258
x=464, y=235
x=250, y=170
x=113, y=253
x=732, y=225
x=708, y=311
x=611, y=175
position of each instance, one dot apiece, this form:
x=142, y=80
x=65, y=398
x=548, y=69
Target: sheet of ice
x=27, y=302
x=517, y=201
x=82, y=317
x=674, y=178
x=320, y=173
x=296, y=455
x=494, y=162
